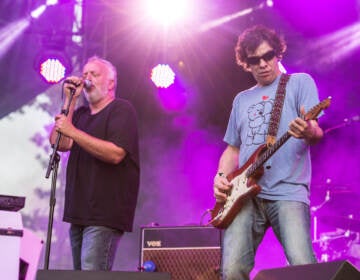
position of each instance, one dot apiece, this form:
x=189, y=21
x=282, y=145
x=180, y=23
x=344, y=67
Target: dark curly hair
x=252, y=37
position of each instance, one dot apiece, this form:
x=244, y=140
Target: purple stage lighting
x=162, y=76
x=38, y=12
x=167, y=12
x=51, y=2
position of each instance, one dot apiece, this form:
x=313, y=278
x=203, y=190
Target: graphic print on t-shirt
x=259, y=118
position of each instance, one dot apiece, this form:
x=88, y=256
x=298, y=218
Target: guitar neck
x=311, y=115
x=267, y=154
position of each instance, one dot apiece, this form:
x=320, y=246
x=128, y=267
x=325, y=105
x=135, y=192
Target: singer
x=102, y=176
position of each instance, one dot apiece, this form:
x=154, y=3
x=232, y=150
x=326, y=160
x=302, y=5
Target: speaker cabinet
x=30, y=250
x=338, y=270
x=11, y=232
x=99, y=275
x=185, y=252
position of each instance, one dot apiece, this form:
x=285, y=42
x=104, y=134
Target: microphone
x=87, y=84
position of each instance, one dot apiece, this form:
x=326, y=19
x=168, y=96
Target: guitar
x=244, y=180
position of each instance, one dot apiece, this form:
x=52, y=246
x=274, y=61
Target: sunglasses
x=255, y=60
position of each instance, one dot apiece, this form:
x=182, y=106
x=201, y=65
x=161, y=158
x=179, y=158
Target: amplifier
x=186, y=252
x=98, y=275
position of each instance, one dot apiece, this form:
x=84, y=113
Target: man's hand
x=222, y=188
x=308, y=130
x=64, y=126
x=73, y=85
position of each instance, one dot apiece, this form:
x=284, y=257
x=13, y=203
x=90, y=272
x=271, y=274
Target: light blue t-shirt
x=287, y=173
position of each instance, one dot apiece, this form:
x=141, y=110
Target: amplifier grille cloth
x=186, y=264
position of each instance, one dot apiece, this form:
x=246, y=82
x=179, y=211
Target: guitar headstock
x=316, y=110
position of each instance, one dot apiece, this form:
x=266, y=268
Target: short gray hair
x=111, y=68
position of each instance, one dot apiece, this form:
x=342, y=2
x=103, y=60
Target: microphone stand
x=314, y=209
x=53, y=165
x=347, y=121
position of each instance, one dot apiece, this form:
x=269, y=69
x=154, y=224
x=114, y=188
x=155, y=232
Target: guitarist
x=283, y=202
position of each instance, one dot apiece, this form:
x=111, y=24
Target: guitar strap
x=276, y=110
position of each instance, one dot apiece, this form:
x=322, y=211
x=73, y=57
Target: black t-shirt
x=99, y=193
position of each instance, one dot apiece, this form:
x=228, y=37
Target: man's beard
x=94, y=96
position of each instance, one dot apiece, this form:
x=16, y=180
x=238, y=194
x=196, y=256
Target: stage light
x=52, y=70
x=162, y=76
x=51, y=2
x=227, y=18
x=171, y=93
x=343, y=43
x=167, y=12
x=53, y=65
x=35, y=14
x=38, y=11
x=269, y=3
x=11, y=32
